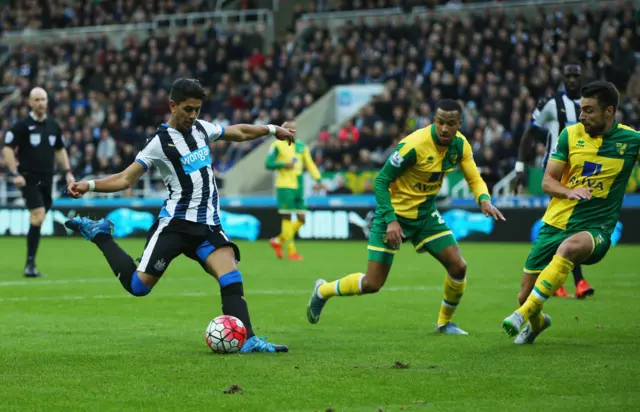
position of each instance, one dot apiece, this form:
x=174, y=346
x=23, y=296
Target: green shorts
x=430, y=234
x=549, y=240
x=290, y=201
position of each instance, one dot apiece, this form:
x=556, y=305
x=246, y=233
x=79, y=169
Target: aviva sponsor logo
x=196, y=160
x=588, y=176
x=425, y=187
x=434, y=183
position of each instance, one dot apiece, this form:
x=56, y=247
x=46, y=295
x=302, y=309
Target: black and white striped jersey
x=554, y=114
x=184, y=162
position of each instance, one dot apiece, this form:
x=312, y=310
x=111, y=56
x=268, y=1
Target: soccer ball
x=226, y=334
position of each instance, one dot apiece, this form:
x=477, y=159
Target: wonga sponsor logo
x=196, y=160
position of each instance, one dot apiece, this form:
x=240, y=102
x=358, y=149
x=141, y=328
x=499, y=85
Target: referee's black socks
x=33, y=240
x=233, y=303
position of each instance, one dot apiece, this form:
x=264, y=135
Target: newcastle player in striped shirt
x=189, y=221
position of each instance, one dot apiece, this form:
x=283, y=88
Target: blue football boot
x=90, y=228
x=256, y=344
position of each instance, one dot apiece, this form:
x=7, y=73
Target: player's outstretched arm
x=477, y=183
x=247, y=132
x=111, y=184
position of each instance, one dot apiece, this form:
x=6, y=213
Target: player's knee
x=570, y=249
x=457, y=269
x=138, y=287
x=221, y=261
x=371, y=284
x=36, y=216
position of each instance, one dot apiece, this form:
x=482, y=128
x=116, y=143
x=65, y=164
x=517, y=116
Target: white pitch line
x=249, y=294
x=109, y=279
x=106, y=279
x=196, y=294
x=38, y=282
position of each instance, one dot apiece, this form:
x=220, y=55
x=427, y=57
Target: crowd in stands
x=59, y=14
x=406, y=5
x=110, y=99
x=497, y=67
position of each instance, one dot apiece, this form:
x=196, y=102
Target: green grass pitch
x=76, y=340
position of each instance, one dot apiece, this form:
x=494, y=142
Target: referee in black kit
x=37, y=139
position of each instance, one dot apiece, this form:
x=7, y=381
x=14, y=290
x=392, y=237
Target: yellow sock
x=537, y=321
x=295, y=226
x=347, y=286
x=285, y=232
x=550, y=280
x=453, y=291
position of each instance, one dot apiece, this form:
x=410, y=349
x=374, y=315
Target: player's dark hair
x=605, y=93
x=449, y=105
x=183, y=89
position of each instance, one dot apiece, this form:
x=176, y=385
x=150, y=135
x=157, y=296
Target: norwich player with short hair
x=587, y=178
x=406, y=189
x=289, y=162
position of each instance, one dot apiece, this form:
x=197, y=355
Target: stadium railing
x=338, y=18
x=161, y=23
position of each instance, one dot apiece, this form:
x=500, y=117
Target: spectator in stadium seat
x=105, y=151
x=633, y=87
x=349, y=133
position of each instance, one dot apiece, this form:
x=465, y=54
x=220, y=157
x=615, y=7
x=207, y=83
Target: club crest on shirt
x=621, y=148
x=52, y=140
x=453, y=158
x=34, y=139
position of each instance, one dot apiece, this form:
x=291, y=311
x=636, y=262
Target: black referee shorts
x=169, y=238
x=37, y=193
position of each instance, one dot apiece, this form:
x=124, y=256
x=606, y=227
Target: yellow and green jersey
x=603, y=164
x=411, y=178
x=280, y=154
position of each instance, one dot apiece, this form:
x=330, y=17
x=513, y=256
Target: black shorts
x=168, y=238
x=37, y=193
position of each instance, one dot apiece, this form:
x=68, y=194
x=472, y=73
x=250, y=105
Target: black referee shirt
x=37, y=143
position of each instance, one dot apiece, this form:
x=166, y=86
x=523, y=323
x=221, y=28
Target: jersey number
x=436, y=215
